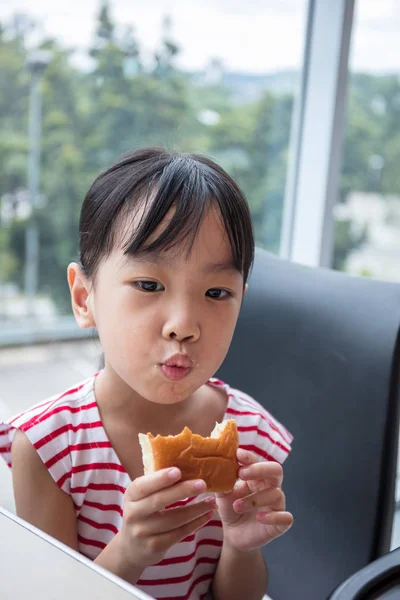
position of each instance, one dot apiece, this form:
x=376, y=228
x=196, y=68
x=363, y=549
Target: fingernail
x=244, y=472
x=200, y=485
x=174, y=473
x=238, y=506
x=223, y=494
x=261, y=516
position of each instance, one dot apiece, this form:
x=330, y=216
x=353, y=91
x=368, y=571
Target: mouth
x=176, y=367
x=175, y=373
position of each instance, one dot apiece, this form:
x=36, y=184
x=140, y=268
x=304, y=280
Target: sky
x=256, y=36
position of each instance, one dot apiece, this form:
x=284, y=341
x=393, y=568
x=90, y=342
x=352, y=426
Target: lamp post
x=36, y=64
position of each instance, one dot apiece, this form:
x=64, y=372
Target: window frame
x=315, y=153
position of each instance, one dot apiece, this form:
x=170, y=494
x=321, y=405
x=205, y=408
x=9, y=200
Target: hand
x=149, y=529
x=254, y=513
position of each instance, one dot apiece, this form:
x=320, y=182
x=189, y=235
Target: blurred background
x=105, y=77
x=298, y=99
x=84, y=83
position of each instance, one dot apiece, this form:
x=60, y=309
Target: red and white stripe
x=69, y=437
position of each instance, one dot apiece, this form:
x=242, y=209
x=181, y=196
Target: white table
x=35, y=566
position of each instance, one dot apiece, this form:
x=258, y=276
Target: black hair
x=161, y=179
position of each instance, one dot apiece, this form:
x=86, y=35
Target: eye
x=148, y=286
x=218, y=294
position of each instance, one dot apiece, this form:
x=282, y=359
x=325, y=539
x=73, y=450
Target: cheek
x=126, y=333
x=121, y=323
x=222, y=326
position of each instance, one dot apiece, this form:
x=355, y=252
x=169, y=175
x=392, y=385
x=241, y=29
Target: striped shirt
x=68, y=434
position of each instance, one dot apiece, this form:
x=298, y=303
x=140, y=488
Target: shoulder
x=56, y=410
x=26, y=461
x=259, y=430
x=47, y=427
x=32, y=483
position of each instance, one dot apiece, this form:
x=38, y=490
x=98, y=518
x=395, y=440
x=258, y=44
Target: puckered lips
x=177, y=366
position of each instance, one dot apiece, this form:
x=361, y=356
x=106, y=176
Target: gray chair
x=378, y=580
x=320, y=350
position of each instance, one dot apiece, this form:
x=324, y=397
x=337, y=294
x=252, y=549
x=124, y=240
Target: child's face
x=148, y=309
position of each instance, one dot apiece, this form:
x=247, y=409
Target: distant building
x=247, y=87
x=379, y=257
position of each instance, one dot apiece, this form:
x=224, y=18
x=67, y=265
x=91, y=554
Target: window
x=85, y=84
x=368, y=211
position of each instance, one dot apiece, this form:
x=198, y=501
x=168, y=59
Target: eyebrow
x=220, y=267
x=157, y=259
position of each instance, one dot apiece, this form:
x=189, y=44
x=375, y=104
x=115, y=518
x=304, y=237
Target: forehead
x=207, y=243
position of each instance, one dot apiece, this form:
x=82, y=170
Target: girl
x=166, y=246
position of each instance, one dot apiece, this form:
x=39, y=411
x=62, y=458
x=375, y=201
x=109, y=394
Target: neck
x=117, y=400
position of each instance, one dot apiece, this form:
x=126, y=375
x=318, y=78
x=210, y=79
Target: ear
x=246, y=287
x=81, y=296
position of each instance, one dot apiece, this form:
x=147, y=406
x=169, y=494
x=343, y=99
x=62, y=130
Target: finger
x=268, y=471
x=272, y=497
x=175, y=518
x=151, y=483
x=147, y=485
x=282, y=520
x=245, y=457
x=240, y=489
x=189, y=528
x=164, y=541
x=165, y=497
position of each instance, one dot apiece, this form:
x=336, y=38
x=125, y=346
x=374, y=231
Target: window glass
x=368, y=211
x=83, y=82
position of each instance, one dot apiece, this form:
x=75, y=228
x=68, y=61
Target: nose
x=182, y=325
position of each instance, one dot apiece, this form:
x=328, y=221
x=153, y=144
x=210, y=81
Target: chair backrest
x=320, y=350
x=380, y=579
x=35, y=565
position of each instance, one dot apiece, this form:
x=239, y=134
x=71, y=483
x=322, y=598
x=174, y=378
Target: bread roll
x=212, y=459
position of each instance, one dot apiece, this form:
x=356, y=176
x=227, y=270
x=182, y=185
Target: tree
x=9, y=263
x=371, y=150
x=164, y=57
x=105, y=29
x=347, y=239
x=89, y=118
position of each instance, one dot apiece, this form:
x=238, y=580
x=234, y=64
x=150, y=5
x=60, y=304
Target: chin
x=173, y=393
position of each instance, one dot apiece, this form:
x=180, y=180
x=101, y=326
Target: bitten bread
x=212, y=459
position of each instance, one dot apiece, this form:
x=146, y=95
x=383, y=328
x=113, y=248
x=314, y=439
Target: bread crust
x=212, y=459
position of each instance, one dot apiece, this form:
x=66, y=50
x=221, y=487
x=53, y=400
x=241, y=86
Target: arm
x=148, y=530
x=240, y=575
x=252, y=515
x=113, y=558
x=38, y=499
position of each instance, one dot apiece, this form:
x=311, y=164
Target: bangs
x=187, y=190
x=127, y=205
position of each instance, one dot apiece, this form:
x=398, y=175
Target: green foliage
x=372, y=144
x=123, y=102
x=8, y=261
x=346, y=239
